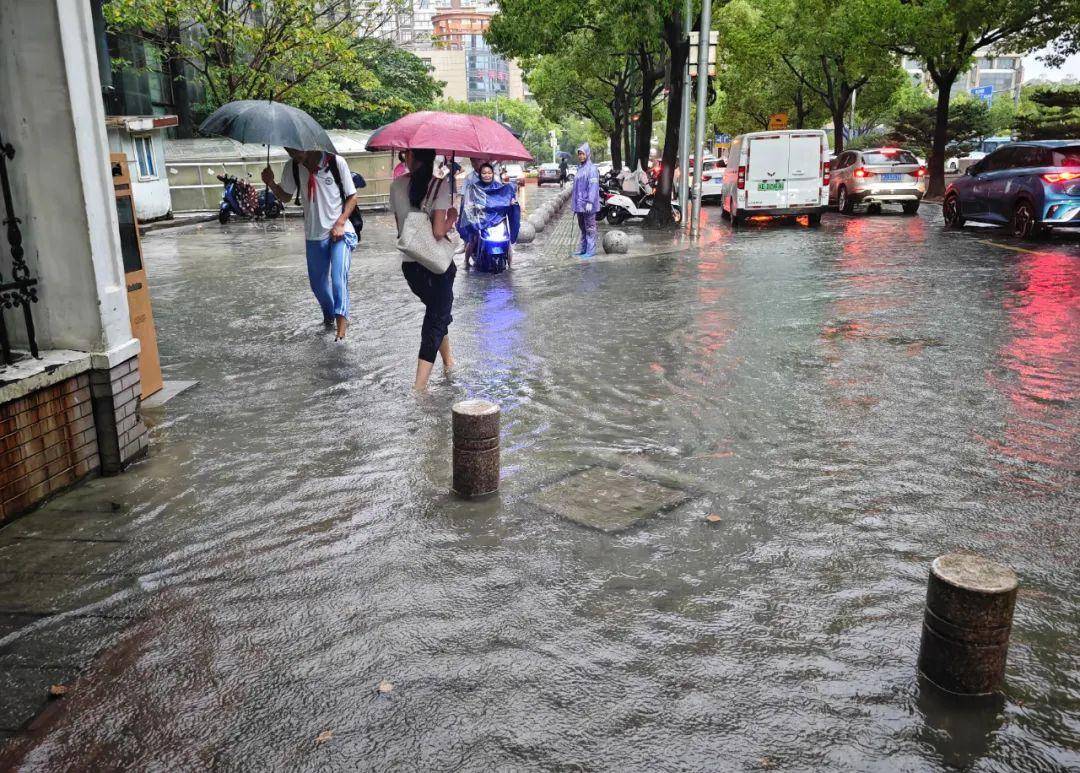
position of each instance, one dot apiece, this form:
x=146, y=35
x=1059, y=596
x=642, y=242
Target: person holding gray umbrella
x=325, y=187
x=318, y=177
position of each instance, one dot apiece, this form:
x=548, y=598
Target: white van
x=777, y=174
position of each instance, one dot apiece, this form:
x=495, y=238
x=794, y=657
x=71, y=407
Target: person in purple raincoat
x=586, y=201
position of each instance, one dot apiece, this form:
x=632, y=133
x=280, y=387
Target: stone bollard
x=537, y=221
x=526, y=233
x=616, y=242
x=476, y=448
x=968, y=618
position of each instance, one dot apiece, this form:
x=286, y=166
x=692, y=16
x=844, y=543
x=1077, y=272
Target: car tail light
x=706, y=177
x=740, y=182
x=1061, y=177
x=920, y=172
x=860, y=172
x=826, y=170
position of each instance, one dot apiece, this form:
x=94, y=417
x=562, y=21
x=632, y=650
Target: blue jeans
x=328, y=272
x=587, y=224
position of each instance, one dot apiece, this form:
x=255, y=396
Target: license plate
x=892, y=178
x=777, y=185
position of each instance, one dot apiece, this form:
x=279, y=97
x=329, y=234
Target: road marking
x=1008, y=247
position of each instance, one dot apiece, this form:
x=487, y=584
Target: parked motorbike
x=240, y=198
x=619, y=206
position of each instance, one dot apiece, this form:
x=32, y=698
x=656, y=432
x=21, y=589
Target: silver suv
x=874, y=177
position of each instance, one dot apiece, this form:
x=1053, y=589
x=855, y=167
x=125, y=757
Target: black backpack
x=359, y=182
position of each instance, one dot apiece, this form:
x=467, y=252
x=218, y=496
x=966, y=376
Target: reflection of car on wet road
x=877, y=176
x=1029, y=186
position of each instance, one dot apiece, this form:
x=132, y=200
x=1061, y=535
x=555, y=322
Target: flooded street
x=851, y=401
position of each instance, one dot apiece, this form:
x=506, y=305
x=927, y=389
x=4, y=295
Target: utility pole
x=851, y=132
x=704, y=39
x=684, y=119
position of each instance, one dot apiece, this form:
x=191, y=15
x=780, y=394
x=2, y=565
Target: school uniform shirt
x=401, y=206
x=322, y=209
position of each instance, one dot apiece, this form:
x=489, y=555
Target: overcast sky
x=1033, y=68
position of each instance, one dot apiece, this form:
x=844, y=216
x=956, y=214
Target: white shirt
x=322, y=212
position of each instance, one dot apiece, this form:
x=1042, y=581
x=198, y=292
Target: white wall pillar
x=51, y=111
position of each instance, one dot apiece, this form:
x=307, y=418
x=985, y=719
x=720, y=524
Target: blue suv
x=1028, y=186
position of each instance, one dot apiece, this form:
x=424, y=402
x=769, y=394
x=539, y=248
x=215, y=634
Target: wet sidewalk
x=789, y=424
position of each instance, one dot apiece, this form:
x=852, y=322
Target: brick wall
x=47, y=442
x=116, y=394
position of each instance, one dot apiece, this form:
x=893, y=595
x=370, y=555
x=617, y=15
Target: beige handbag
x=419, y=243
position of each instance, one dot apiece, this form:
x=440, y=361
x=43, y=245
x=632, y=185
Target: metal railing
x=21, y=290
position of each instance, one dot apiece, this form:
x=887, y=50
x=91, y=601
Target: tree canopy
x=319, y=55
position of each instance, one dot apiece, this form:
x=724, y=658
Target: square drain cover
x=603, y=499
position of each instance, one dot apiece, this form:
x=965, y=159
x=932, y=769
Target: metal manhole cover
x=603, y=499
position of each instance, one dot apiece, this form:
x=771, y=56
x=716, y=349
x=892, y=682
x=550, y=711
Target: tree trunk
x=178, y=86
x=936, y=184
x=800, y=109
x=628, y=146
x=838, y=130
x=645, y=119
x=680, y=49
x=615, y=141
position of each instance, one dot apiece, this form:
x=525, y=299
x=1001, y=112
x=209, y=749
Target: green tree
x=303, y=52
x=391, y=83
x=1051, y=113
x=945, y=34
x=576, y=82
x=833, y=48
x=613, y=29
x=753, y=82
x=969, y=121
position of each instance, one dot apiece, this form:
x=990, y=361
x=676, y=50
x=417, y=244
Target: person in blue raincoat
x=586, y=201
x=491, y=220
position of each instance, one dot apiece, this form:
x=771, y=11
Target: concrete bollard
x=476, y=448
x=526, y=232
x=616, y=242
x=537, y=221
x=968, y=618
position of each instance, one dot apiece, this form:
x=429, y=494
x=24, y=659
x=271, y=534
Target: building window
x=144, y=156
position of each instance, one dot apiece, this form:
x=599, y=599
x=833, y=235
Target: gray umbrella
x=268, y=123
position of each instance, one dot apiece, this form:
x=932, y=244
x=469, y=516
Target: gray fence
x=193, y=166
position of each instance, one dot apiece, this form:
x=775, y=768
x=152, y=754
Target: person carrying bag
x=425, y=216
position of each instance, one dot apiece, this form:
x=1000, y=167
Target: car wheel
x=911, y=207
x=950, y=210
x=1024, y=223
x=843, y=202
x=814, y=220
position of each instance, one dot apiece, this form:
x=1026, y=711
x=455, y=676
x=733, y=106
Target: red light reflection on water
x=1039, y=365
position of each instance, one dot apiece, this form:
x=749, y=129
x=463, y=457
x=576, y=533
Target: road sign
x=985, y=93
x=778, y=121
x=695, y=39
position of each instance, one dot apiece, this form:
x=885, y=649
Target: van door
x=766, y=173
x=804, y=170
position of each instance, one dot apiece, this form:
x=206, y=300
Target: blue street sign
x=985, y=93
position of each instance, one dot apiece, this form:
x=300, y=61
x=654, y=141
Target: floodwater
x=852, y=402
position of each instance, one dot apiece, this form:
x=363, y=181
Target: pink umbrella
x=451, y=134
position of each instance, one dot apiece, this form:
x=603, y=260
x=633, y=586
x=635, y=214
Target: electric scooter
x=620, y=207
x=240, y=198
